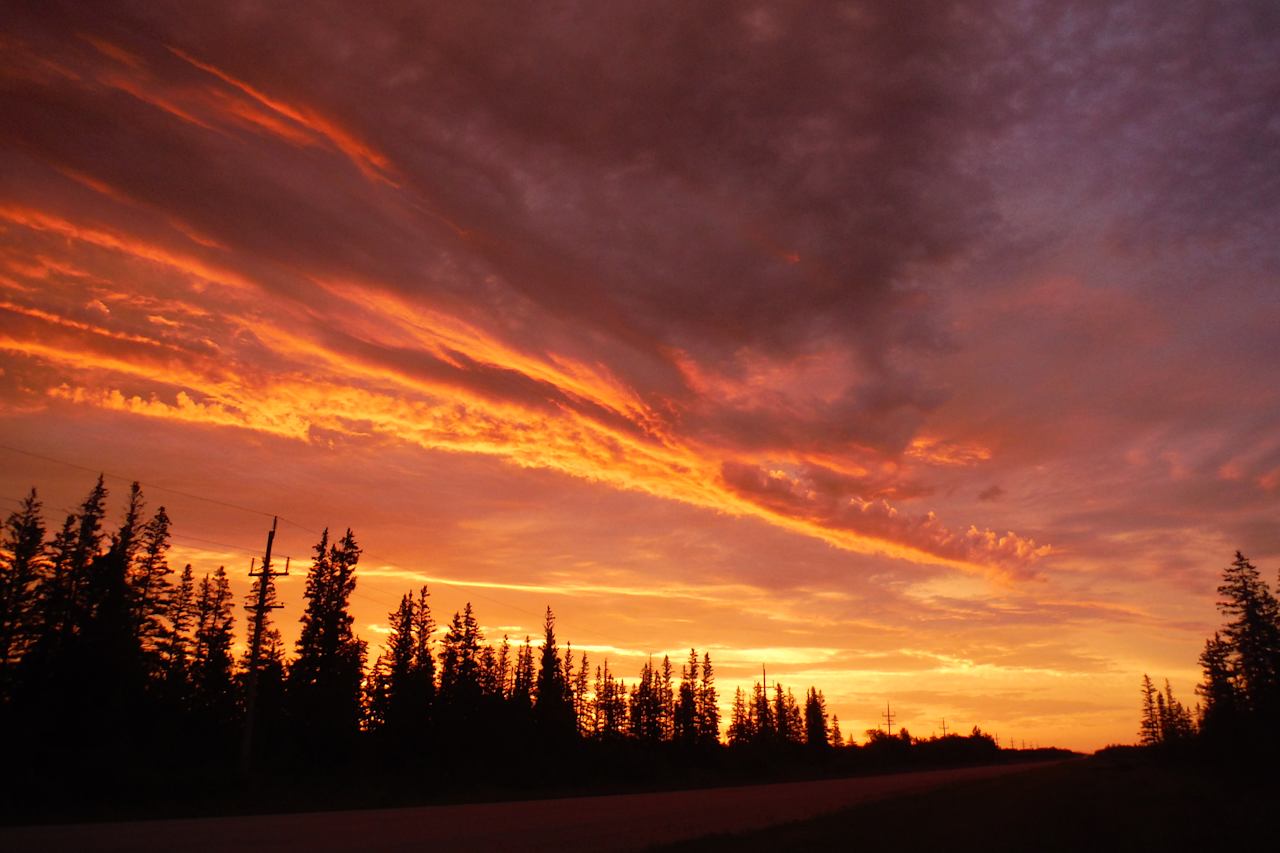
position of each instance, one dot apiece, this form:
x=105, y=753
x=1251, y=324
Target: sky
x=924, y=353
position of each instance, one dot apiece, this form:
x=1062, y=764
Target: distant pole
x=259, y=610
x=888, y=717
x=944, y=726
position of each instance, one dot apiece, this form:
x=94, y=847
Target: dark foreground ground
x=1125, y=801
x=622, y=822
x=1105, y=803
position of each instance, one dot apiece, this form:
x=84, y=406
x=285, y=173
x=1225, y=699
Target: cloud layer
x=676, y=272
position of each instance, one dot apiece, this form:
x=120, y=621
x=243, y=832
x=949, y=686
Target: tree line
x=110, y=658
x=1239, y=709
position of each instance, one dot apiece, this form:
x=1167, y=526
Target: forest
x=1237, y=716
x=119, y=688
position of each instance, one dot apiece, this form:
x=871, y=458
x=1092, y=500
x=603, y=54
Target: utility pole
x=944, y=726
x=259, y=609
x=888, y=717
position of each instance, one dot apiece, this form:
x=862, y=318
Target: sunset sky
x=925, y=353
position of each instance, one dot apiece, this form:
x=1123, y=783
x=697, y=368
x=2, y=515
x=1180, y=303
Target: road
x=615, y=823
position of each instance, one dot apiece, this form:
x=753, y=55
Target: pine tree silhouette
x=1253, y=632
x=75, y=549
x=22, y=566
x=460, y=661
x=151, y=591
x=104, y=657
x=742, y=729
x=581, y=711
x=610, y=705
x=687, y=728
x=402, y=686
x=522, y=684
x=1150, y=731
x=1220, y=715
x=323, y=685
x=179, y=644
x=504, y=668
x=708, y=707
x=213, y=692
x=815, y=720
x=552, y=710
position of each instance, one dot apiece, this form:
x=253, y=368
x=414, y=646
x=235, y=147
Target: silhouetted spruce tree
x=1220, y=713
x=324, y=680
x=780, y=713
x=1176, y=725
x=637, y=702
x=1253, y=633
x=1149, y=734
x=62, y=597
x=422, y=682
x=646, y=706
x=490, y=687
x=787, y=716
x=103, y=660
x=213, y=702
x=504, y=668
x=553, y=711
x=837, y=739
x=522, y=682
x=741, y=728
x=23, y=565
x=761, y=715
x=151, y=590
x=598, y=698
x=618, y=707
x=460, y=662
x=567, y=672
x=686, y=713
x=391, y=670
x=665, y=699
x=610, y=711
x=815, y=719
x=52, y=690
x=581, y=703
x=708, y=704
x=54, y=594
x=179, y=644
x=575, y=685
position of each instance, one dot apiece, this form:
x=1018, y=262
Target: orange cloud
x=40, y=221
x=114, y=51
x=373, y=163
x=411, y=374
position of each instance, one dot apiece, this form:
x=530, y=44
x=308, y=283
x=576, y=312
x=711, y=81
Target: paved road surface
x=622, y=822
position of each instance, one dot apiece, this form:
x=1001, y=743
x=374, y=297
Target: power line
x=214, y=542
x=153, y=486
